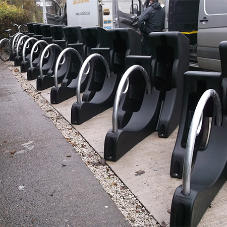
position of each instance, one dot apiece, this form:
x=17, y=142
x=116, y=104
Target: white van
x=204, y=22
x=212, y=29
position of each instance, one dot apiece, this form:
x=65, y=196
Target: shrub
x=15, y=14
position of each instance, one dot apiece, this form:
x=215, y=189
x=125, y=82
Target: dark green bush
x=14, y=14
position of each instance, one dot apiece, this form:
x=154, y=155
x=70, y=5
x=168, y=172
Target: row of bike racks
x=147, y=93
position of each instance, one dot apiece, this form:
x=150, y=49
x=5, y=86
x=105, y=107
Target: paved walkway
x=43, y=182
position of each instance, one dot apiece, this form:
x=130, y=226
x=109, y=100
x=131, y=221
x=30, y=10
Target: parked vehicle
x=202, y=21
x=212, y=29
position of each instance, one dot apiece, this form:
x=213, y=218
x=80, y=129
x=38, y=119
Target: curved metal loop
x=120, y=90
x=58, y=62
x=196, y=121
x=25, y=46
x=84, y=67
x=63, y=61
x=43, y=56
x=126, y=87
x=20, y=43
x=16, y=36
x=47, y=54
x=33, y=50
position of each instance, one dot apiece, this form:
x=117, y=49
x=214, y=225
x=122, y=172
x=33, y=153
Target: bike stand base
x=24, y=66
x=141, y=125
x=195, y=84
x=98, y=102
x=207, y=178
x=81, y=113
x=45, y=82
x=17, y=61
x=32, y=73
x=60, y=94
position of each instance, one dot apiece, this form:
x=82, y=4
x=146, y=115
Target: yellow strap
x=188, y=33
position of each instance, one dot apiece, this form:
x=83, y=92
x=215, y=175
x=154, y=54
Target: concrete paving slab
x=154, y=188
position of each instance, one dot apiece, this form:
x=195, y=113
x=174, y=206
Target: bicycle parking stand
x=202, y=183
x=81, y=110
x=143, y=102
x=91, y=39
x=46, y=33
x=136, y=118
x=128, y=105
x=101, y=89
x=30, y=29
x=58, y=35
x=74, y=38
x=26, y=52
x=19, y=50
x=46, y=36
x=37, y=31
x=36, y=52
x=51, y=52
x=14, y=45
x=84, y=39
x=71, y=61
x=170, y=60
x=195, y=83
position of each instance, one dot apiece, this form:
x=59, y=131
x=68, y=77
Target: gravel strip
x=126, y=201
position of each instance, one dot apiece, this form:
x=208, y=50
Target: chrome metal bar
x=120, y=90
x=33, y=50
x=24, y=47
x=14, y=40
x=43, y=54
x=196, y=120
x=62, y=54
x=86, y=62
x=19, y=43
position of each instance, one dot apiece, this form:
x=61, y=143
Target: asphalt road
x=36, y=189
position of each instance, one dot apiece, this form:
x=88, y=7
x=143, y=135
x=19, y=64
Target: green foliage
x=11, y=12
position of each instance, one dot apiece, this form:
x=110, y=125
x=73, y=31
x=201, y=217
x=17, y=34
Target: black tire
x=5, y=49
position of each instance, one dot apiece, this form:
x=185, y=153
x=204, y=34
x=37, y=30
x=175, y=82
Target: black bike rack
x=74, y=38
x=26, y=53
x=207, y=152
x=194, y=196
x=195, y=84
x=46, y=33
x=36, y=52
x=36, y=28
x=50, y=52
x=101, y=88
x=58, y=36
x=30, y=29
x=139, y=111
x=70, y=62
x=38, y=32
x=141, y=114
x=19, y=50
x=14, y=44
x=92, y=37
x=170, y=60
x=50, y=34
